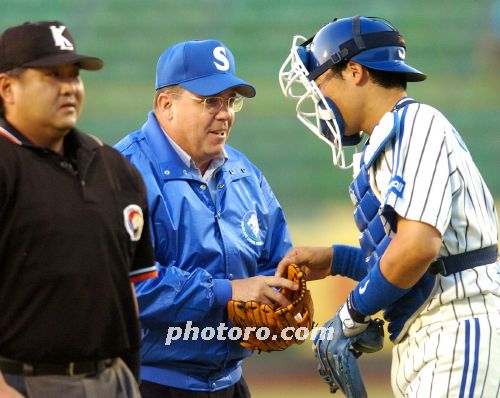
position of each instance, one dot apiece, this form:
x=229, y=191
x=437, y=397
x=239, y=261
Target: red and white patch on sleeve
x=134, y=221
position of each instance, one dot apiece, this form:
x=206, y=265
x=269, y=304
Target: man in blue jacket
x=218, y=229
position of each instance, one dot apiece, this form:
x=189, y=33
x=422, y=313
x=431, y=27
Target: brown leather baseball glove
x=268, y=329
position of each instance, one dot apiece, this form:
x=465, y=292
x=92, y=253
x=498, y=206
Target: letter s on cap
x=220, y=55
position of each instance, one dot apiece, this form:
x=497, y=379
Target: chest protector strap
x=377, y=227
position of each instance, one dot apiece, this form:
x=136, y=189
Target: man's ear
x=6, y=92
x=164, y=105
x=356, y=72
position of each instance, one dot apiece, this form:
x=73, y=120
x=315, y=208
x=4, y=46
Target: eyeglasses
x=213, y=105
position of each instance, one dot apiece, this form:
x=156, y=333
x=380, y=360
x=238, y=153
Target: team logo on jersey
x=397, y=185
x=59, y=40
x=220, y=55
x=134, y=221
x=251, y=229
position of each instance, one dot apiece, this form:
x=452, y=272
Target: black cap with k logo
x=41, y=44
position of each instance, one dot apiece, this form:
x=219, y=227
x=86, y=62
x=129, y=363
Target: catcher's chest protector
x=374, y=227
x=377, y=226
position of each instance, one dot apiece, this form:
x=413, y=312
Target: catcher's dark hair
x=384, y=79
x=388, y=79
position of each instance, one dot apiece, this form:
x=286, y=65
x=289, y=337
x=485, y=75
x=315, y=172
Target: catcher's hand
x=281, y=323
x=337, y=354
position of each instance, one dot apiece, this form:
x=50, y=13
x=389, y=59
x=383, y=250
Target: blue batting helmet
x=369, y=41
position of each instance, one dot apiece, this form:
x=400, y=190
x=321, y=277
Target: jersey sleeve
x=420, y=188
x=143, y=265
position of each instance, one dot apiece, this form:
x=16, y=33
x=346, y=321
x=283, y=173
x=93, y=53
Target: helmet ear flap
x=351, y=140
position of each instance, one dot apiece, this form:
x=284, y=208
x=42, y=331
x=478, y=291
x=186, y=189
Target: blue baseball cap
x=204, y=67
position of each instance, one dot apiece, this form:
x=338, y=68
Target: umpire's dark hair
x=383, y=78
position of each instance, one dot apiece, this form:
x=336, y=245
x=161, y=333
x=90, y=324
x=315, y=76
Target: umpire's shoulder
x=9, y=157
x=119, y=166
x=7, y=149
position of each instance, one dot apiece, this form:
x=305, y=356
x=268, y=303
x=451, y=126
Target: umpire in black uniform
x=73, y=235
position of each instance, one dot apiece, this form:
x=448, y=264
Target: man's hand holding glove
x=252, y=315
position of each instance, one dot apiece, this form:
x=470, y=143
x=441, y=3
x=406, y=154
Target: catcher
x=428, y=253
x=268, y=329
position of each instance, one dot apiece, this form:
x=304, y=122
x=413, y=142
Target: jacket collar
x=12, y=134
x=171, y=165
x=75, y=137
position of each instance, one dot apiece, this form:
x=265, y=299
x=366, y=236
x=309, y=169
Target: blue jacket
x=200, y=246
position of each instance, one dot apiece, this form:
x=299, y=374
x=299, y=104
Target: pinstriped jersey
x=426, y=173
x=442, y=185
x=452, y=345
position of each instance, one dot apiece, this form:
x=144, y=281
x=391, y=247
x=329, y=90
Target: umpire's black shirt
x=70, y=239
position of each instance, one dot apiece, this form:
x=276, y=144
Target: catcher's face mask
x=317, y=112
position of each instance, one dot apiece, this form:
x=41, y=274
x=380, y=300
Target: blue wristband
x=375, y=293
x=349, y=261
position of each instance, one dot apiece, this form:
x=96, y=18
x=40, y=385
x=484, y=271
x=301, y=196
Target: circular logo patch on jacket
x=134, y=221
x=251, y=229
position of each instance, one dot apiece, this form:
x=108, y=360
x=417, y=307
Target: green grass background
x=454, y=41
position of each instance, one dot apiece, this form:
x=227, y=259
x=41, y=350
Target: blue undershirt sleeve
x=349, y=261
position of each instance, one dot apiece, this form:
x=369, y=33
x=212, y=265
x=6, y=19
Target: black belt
x=68, y=369
x=460, y=262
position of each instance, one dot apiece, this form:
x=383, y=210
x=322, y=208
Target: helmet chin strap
x=351, y=140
